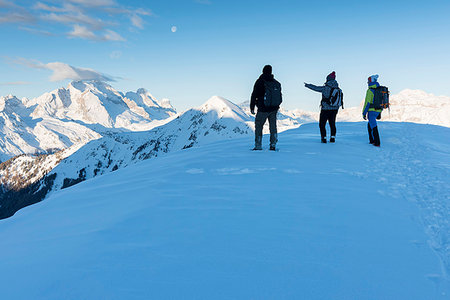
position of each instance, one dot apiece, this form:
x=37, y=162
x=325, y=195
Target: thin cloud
x=36, y=31
x=63, y=71
x=88, y=19
x=137, y=21
x=17, y=17
x=115, y=54
x=91, y=3
x=78, y=18
x=15, y=83
x=113, y=36
x=4, y=3
x=82, y=32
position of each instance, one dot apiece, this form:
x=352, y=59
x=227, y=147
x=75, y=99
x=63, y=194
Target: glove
x=365, y=117
x=379, y=117
x=252, y=111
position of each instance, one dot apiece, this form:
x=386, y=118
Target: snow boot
x=258, y=143
x=324, y=140
x=376, y=137
x=370, y=133
x=332, y=139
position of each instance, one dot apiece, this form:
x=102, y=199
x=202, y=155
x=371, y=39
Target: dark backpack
x=336, y=98
x=380, y=98
x=272, y=94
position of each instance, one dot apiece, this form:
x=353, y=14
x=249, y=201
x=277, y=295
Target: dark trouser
x=260, y=119
x=374, y=136
x=330, y=116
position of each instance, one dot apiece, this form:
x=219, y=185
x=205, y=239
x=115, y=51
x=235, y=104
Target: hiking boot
x=332, y=139
x=324, y=140
x=272, y=148
x=258, y=143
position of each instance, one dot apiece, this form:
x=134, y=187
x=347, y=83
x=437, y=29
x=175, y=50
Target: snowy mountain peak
x=224, y=109
x=12, y=105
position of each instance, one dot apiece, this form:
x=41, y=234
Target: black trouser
x=330, y=116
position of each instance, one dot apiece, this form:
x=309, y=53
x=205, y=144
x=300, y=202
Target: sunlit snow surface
x=311, y=221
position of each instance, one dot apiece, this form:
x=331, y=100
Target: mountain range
x=88, y=129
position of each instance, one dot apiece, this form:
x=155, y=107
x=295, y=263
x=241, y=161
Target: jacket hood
x=332, y=83
x=267, y=77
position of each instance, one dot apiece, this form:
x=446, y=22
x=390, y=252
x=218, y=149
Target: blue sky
x=220, y=47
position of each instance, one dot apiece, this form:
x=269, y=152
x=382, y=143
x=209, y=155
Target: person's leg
x=369, y=130
x=373, y=125
x=322, y=123
x=260, y=119
x=273, y=129
x=332, y=122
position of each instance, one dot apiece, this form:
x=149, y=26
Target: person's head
x=331, y=76
x=372, y=79
x=267, y=69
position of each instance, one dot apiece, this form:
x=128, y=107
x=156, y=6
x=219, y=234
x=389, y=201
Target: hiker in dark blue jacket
x=328, y=112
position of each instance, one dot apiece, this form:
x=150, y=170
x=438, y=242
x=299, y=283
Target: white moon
x=174, y=29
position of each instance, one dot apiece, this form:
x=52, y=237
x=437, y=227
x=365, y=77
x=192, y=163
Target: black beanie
x=267, y=69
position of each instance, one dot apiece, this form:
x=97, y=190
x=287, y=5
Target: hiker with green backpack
x=332, y=100
x=377, y=98
x=267, y=97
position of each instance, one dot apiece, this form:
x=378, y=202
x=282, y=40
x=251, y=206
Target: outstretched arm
x=314, y=87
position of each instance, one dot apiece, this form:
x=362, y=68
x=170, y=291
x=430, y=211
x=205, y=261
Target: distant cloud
x=36, y=31
x=115, y=54
x=137, y=21
x=94, y=2
x=82, y=32
x=62, y=71
x=15, y=83
x=89, y=19
x=112, y=36
x=17, y=17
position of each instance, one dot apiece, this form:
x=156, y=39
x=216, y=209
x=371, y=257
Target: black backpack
x=272, y=94
x=336, y=98
x=380, y=98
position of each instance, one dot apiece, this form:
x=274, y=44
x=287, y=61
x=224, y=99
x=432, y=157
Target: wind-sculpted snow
x=217, y=221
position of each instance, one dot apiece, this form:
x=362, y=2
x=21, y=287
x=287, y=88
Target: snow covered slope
x=75, y=115
x=312, y=221
x=217, y=119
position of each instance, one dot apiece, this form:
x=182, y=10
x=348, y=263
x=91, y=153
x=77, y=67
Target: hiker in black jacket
x=267, y=97
x=328, y=111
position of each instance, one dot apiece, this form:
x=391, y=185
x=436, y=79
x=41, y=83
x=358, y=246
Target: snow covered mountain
x=312, y=221
x=413, y=106
x=75, y=115
x=217, y=119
